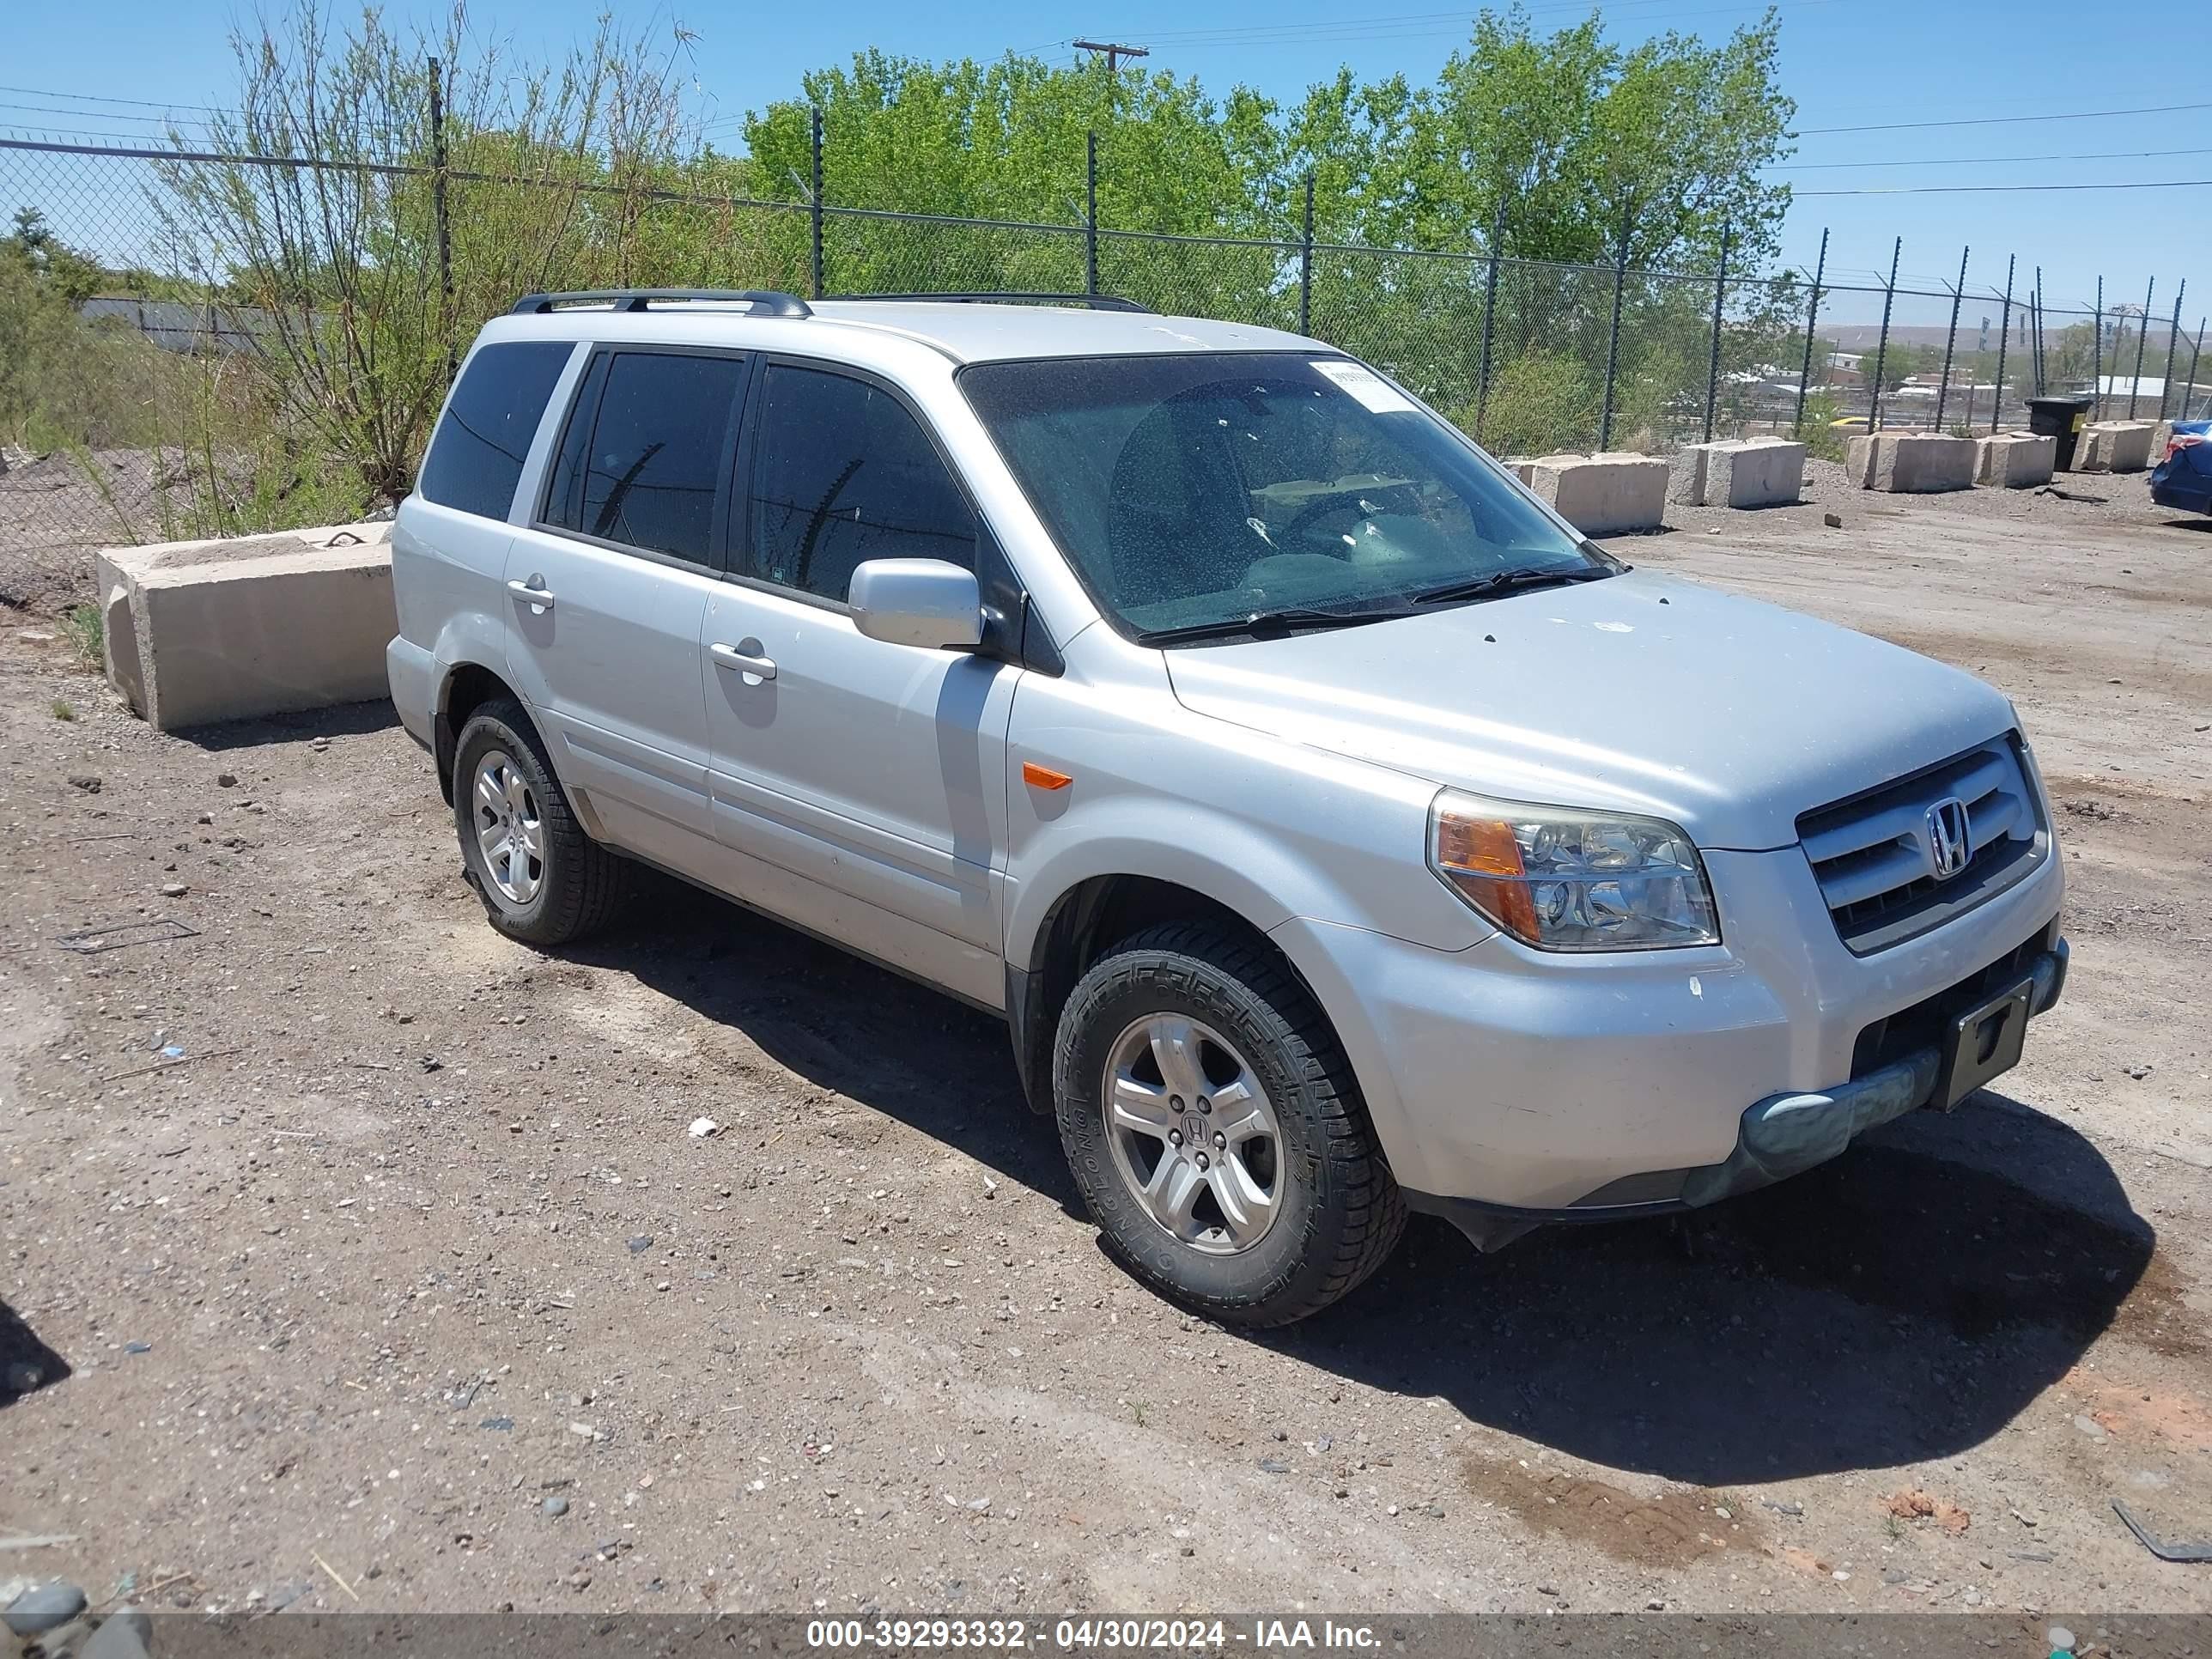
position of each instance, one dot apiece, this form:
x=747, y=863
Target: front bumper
x=1781, y=1136
x=1507, y=1087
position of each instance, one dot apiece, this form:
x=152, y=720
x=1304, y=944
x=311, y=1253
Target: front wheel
x=1216, y=1130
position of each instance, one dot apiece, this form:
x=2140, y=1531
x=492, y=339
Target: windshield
x=1192, y=490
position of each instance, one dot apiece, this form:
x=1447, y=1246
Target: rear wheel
x=542, y=879
x=1215, y=1128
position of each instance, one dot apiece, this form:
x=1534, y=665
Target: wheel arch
x=1082, y=924
x=466, y=687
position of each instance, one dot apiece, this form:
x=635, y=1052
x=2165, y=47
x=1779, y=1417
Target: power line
x=1981, y=160
x=2006, y=120
x=1963, y=189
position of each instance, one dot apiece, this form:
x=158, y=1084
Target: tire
x=1333, y=1212
x=568, y=886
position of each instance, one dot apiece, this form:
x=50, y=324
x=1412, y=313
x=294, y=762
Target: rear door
x=607, y=586
x=875, y=770
x=449, y=546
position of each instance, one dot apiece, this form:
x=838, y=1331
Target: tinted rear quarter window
x=659, y=435
x=476, y=459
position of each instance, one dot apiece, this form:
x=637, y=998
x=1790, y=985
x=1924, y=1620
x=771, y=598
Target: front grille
x=1871, y=856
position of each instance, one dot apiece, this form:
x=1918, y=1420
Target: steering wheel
x=1336, y=501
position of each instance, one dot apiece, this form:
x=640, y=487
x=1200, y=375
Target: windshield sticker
x=1373, y=393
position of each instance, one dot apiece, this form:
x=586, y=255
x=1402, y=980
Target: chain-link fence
x=195, y=345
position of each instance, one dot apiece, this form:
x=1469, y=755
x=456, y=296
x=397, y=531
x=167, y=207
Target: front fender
x=1270, y=828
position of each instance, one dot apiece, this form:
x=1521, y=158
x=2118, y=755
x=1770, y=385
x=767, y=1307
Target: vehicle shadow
x=864, y=1032
x=1900, y=1303
x=1903, y=1303
x=344, y=720
x=26, y=1364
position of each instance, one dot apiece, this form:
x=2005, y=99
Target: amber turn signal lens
x=1044, y=777
x=1481, y=857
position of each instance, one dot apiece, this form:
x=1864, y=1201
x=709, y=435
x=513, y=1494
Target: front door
x=607, y=585
x=874, y=772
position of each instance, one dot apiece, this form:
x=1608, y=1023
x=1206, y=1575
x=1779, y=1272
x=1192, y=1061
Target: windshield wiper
x=1501, y=582
x=1258, y=623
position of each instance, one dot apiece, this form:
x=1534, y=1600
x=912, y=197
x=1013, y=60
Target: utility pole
x=1115, y=52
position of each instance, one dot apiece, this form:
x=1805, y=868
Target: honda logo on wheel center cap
x=1950, y=837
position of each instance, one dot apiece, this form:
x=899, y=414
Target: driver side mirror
x=926, y=602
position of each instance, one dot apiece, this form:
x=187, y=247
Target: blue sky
x=1848, y=62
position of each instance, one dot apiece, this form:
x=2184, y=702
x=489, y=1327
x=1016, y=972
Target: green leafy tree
x=1569, y=134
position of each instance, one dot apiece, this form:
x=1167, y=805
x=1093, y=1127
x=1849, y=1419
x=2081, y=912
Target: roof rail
x=1095, y=301
x=765, y=301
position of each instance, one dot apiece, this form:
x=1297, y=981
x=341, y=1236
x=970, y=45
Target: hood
x=1640, y=693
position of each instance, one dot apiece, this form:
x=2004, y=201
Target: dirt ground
x=410, y=1237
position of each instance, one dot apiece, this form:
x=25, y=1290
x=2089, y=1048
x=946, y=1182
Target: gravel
x=328, y=1245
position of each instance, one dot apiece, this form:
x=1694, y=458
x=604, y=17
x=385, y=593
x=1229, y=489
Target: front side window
x=843, y=474
x=1190, y=491
x=476, y=459
x=640, y=462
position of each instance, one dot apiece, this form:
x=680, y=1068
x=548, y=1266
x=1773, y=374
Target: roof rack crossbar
x=765, y=301
x=1095, y=301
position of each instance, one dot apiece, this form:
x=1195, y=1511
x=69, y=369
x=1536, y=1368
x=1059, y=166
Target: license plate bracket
x=1983, y=1043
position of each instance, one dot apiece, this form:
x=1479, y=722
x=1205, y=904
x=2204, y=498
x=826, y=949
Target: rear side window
x=476, y=459
x=642, y=460
x=845, y=474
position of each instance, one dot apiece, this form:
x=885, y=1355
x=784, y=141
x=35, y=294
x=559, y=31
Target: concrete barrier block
x=2014, y=460
x=1755, y=472
x=1604, y=494
x=1685, y=485
x=1911, y=463
x=200, y=632
x=2114, y=446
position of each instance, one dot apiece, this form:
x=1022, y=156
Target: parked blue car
x=2184, y=478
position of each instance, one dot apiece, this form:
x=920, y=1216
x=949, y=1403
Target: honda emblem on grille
x=1950, y=837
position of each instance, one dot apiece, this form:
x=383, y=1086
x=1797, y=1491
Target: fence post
x=1612, y=340
x=2041, y=384
x=816, y=216
x=1489, y=320
x=2172, y=339
x=1713, y=368
x=1882, y=347
x=1812, y=322
x=2193, y=351
x=2097, y=361
x=1305, y=264
x=1951, y=346
x=1090, y=214
x=2004, y=338
x=2142, y=335
x=438, y=212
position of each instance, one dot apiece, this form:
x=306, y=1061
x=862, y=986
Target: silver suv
x=1338, y=830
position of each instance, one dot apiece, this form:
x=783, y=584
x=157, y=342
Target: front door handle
x=728, y=656
x=534, y=591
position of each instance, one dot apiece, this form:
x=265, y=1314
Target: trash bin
x=2061, y=418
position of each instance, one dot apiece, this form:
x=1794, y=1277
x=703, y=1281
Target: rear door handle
x=728, y=656
x=533, y=591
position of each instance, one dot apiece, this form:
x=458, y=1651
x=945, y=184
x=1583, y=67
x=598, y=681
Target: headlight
x=1566, y=880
